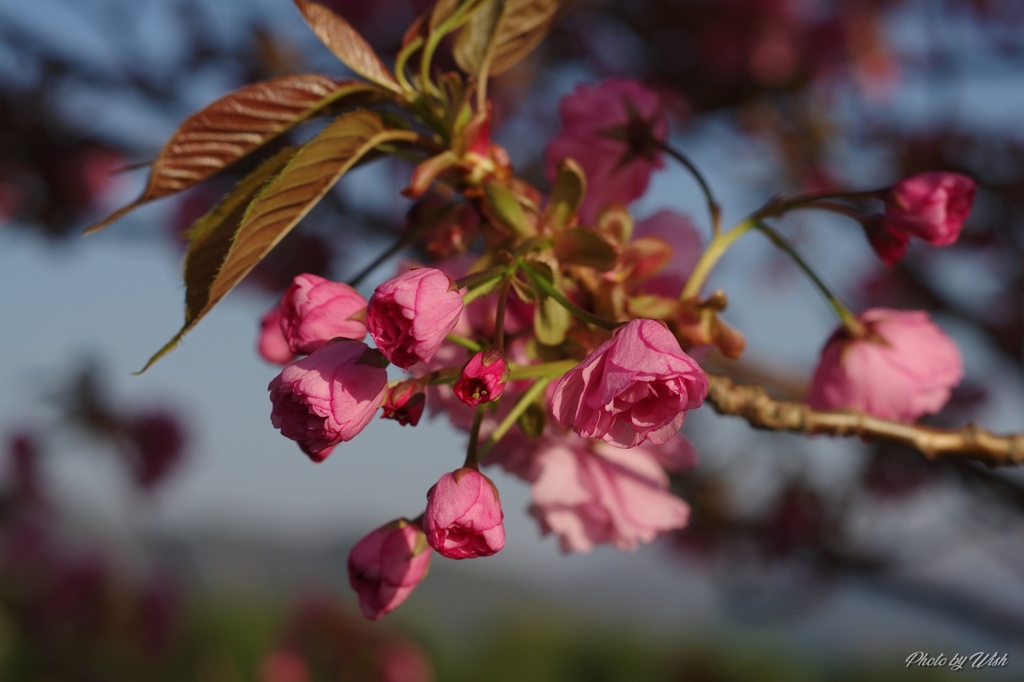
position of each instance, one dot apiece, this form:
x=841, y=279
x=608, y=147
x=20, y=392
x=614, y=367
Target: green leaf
x=551, y=321
x=501, y=33
x=583, y=246
x=347, y=45
x=567, y=194
x=216, y=264
x=210, y=238
x=504, y=209
x=235, y=125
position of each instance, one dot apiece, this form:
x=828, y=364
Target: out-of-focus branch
x=762, y=411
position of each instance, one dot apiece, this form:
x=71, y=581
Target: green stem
x=468, y=344
x=400, y=61
x=808, y=200
x=499, y=315
x=472, y=460
x=459, y=17
x=720, y=243
x=510, y=419
x=544, y=370
x=848, y=319
x=713, y=208
x=479, y=283
x=554, y=293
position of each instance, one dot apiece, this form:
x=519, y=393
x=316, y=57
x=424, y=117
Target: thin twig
x=762, y=411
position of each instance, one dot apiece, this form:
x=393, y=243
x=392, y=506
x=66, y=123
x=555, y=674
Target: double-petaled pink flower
x=386, y=565
x=608, y=129
x=463, y=518
x=904, y=367
x=636, y=386
x=329, y=396
x=483, y=378
x=929, y=206
x=409, y=316
x=589, y=493
x=315, y=310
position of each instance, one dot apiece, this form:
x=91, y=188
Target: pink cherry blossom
x=386, y=565
x=483, y=378
x=603, y=129
x=930, y=206
x=272, y=345
x=905, y=367
x=329, y=396
x=463, y=518
x=589, y=493
x=315, y=310
x=634, y=387
x=409, y=316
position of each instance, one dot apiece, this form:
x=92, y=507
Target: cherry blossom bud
x=405, y=403
x=930, y=206
x=636, y=386
x=386, y=565
x=483, y=378
x=329, y=396
x=463, y=519
x=315, y=310
x=273, y=346
x=904, y=367
x=409, y=316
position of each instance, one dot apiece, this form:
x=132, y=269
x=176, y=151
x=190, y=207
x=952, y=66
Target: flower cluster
x=564, y=346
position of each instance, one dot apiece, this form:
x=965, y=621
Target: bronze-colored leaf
x=472, y=46
x=345, y=42
x=583, y=246
x=210, y=239
x=441, y=11
x=524, y=24
x=216, y=263
x=566, y=195
x=233, y=126
x=501, y=33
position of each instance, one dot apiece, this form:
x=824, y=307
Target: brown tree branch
x=762, y=411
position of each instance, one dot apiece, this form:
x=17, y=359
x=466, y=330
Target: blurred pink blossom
x=608, y=129
x=386, y=565
x=588, y=493
x=905, y=367
x=930, y=206
x=272, y=345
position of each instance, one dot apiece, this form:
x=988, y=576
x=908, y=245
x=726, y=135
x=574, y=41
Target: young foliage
x=259, y=213
x=346, y=43
x=501, y=33
x=235, y=125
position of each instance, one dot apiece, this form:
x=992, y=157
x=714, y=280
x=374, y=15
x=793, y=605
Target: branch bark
x=762, y=411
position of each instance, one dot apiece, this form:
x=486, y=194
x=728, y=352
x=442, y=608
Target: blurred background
x=157, y=527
